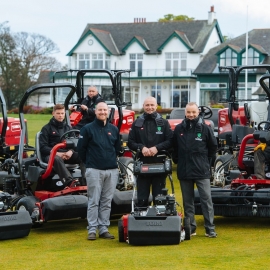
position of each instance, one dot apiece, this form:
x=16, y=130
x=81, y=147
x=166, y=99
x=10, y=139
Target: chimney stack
x=211, y=15
x=139, y=20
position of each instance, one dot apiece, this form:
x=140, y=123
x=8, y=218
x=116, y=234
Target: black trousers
x=144, y=183
x=61, y=169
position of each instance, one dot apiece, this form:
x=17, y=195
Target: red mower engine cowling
x=75, y=117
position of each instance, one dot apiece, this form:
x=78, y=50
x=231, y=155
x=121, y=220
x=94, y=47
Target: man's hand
x=153, y=150
x=149, y=152
x=84, y=107
x=65, y=155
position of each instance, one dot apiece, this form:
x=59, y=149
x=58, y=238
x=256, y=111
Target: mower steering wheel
x=76, y=131
x=205, y=112
x=77, y=106
x=263, y=128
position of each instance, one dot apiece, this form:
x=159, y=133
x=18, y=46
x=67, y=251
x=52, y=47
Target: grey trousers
x=204, y=188
x=101, y=186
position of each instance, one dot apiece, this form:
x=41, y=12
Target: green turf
x=242, y=243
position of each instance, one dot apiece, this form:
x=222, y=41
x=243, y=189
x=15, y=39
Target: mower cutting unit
x=159, y=224
x=236, y=191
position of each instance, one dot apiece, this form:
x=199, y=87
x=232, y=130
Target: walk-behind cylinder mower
x=159, y=224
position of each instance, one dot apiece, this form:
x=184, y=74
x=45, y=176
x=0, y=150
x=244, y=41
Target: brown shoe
x=106, y=235
x=91, y=236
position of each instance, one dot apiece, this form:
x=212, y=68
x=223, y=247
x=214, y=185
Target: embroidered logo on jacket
x=199, y=137
x=159, y=130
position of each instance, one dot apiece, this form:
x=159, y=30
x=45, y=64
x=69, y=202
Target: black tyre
x=187, y=228
x=121, y=231
x=126, y=165
x=28, y=203
x=220, y=167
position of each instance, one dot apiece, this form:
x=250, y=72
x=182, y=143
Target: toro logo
x=153, y=223
x=145, y=168
x=8, y=218
x=15, y=127
x=130, y=120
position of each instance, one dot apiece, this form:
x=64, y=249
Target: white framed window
x=136, y=63
x=93, y=60
x=175, y=61
x=84, y=61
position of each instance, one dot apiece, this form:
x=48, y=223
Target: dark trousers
x=259, y=164
x=61, y=169
x=143, y=188
x=204, y=188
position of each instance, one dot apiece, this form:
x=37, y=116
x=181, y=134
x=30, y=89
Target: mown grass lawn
x=242, y=243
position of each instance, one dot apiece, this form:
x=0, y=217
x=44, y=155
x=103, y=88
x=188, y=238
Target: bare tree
x=22, y=57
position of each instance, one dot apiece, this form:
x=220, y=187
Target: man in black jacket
x=194, y=145
x=50, y=136
x=150, y=133
x=98, y=147
x=88, y=106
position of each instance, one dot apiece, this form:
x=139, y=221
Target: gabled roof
x=103, y=37
x=151, y=35
x=257, y=38
x=140, y=41
x=181, y=36
x=233, y=47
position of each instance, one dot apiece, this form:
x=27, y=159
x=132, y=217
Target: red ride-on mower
x=34, y=186
x=159, y=224
x=243, y=195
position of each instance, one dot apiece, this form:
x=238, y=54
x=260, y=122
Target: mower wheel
x=126, y=167
x=28, y=203
x=121, y=231
x=187, y=228
x=221, y=165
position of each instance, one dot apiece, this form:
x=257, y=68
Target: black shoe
x=91, y=236
x=106, y=235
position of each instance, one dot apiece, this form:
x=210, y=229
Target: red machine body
x=224, y=126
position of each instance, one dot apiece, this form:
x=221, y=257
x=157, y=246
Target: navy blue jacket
x=99, y=145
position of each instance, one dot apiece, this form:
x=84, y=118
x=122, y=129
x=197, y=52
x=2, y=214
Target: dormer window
x=228, y=58
x=253, y=57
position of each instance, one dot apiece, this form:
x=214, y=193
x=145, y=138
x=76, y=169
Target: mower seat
x=258, y=112
x=44, y=164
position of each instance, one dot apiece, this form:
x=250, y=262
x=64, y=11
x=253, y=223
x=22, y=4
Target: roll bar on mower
x=25, y=97
x=116, y=81
x=234, y=73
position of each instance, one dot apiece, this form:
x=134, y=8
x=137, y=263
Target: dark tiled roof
x=45, y=76
x=196, y=33
x=257, y=38
x=105, y=37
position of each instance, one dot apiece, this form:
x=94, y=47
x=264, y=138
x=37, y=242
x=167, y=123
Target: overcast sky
x=63, y=21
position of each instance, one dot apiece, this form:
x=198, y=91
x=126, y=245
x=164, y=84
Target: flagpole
x=246, y=73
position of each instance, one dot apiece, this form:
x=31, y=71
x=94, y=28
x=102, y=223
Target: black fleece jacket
x=150, y=130
x=50, y=136
x=193, y=146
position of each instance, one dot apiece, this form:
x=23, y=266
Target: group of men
x=193, y=144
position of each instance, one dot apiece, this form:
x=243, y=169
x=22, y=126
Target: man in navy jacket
x=98, y=147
